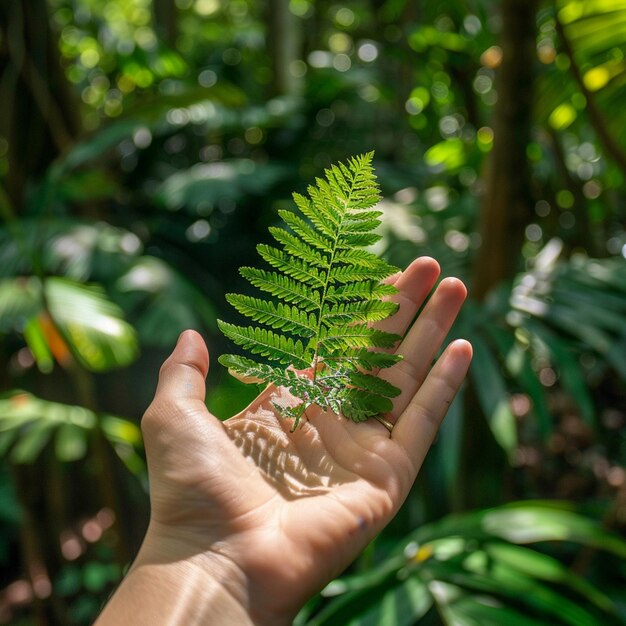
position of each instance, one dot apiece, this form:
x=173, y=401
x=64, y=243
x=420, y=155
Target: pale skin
x=249, y=520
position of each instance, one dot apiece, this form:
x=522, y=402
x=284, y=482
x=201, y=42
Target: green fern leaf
x=283, y=287
x=366, y=359
x=280, y=316
x=373, y=384
x=349, y=312
x=305, y=232
x=348, y=241
x=292, y=266
x=319, y=221
x=298, y=248
x=327, y=291
x=274, y=346
x=353, y=273
x=359, y=291
x=340, y=338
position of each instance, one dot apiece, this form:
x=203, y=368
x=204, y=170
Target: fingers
x=418, y=424
x=413, y=285
x=181, y=379
x=423, y=342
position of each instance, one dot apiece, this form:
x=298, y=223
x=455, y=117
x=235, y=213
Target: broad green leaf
x=507, y=585
x=19, y=407
x=350, y=605
x=537, y=565
x=31, y=442
x=39, y=345
x=91, y=324
x=531, y=523
x=28, y=423
x=70, y=442
x=161, y=302
x=477, y=610
x=448, y=155
x=491, y=390
x=401, y=606
x=521, y=523
x=125, y=438
x=568, y=367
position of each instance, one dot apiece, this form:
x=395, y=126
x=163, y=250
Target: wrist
x=207, y=578
x=184, y=583
x=168, y=586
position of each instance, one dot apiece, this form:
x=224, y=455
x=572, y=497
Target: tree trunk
x=37, y=113
x=508, y=207
x=165, y=21
x=506, y=211
x=284, y=39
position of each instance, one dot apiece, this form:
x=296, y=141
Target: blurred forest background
x=146, y=146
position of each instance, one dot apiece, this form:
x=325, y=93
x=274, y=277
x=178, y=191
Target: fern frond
x=250, y=370
x=354, y=256
x=327, y=291
x=373, y=384
x=305, y=205
x=356, y=227
x=359, y=405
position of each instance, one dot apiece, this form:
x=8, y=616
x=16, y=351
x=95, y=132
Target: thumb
x=181, y=387
x=183, y=373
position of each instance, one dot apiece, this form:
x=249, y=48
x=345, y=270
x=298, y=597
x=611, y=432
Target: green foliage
x=551, y=319
x=477, y=568
x=28, y=424
x=323, y=267
x=60, y=317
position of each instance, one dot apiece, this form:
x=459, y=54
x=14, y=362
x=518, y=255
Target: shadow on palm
x=323, y=455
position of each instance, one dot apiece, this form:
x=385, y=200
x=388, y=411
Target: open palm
x=286, y=511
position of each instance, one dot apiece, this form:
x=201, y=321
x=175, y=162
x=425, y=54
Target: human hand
x=273, y=515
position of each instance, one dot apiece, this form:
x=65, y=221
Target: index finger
x=413, y=284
